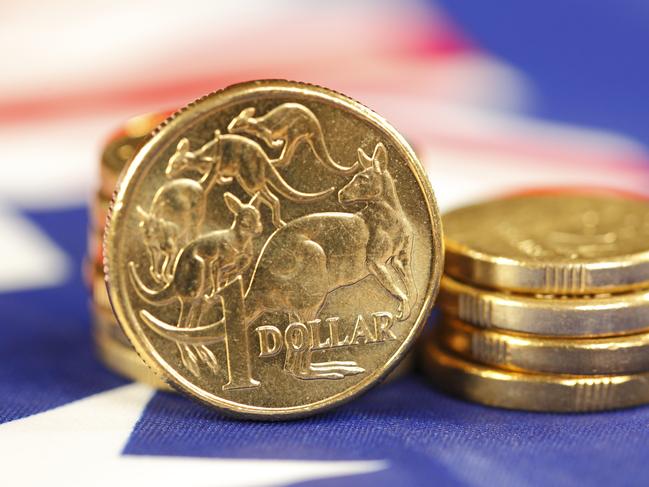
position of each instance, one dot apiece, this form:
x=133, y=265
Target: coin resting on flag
x=531, y=368
x=242, y=290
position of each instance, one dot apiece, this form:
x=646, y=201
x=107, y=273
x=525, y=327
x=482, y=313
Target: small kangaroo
x=232, y=156
x=174, y=217
x=286, y=126
x=202, y=267
x=303, y=261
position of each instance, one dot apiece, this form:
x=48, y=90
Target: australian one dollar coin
x=274, y=249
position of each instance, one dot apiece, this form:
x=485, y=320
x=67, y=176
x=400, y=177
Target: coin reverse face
x=558, y=243
x=274, y=249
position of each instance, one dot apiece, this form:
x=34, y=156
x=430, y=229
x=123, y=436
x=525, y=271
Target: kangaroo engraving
x=286, y=126
x=303, y=261
x=174, y=217
x=202, y=267
x=227, y=157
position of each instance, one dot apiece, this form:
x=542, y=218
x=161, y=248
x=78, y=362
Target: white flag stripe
x=81, y=444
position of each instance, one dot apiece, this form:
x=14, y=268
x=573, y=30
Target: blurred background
x=495, y=97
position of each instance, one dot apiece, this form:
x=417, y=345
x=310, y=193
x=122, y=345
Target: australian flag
x=495, y=98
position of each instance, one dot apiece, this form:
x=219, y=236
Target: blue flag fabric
x=60, y=408
x=420, y=436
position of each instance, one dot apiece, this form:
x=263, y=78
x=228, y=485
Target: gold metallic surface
x=93, y=261
x=557, y=243
x=403, y=368
x=532, y=392
x=122, y=146
x=117, y=354
x=125, y=361
x=626, y=354
x=99, y=291
x=274, y=249
x=98, y=212
x=550, y=315
x=104, y=322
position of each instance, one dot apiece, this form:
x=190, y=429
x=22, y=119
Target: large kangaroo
x=202, y=267
x=303, y=261
x=286, y=126
x=233, y=156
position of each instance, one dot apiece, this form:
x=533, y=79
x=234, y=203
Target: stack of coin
x=545, y=303
x=113, y=348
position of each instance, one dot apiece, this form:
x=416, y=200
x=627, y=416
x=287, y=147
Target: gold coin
x=88, y=270
x=122, y=146
x=626, y=354
x=562, y=316
x=94, y=261
x=106, y=318
x=125, y=361
x=104, y=322
x=557, y=243
x=274, y=249
x=98, y=212
x=403, y=368
x=93, y=272
x=106, y=325
x=118, y=355
x=99, y=291
x=532, y=392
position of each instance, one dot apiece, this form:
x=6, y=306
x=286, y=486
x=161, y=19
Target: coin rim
x=452, y=290
x=532, y=272
x=124, y=361
x=449, y=331
x=439, y=364
x=201, y=106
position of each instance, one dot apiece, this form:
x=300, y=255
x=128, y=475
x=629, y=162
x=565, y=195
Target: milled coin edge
x=152, y=359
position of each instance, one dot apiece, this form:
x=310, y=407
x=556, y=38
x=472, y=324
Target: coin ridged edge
x=532, y=392
x=557, y=316
x=569, y=278
x=533, y=353
x=437, y=264
x=126, y=362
